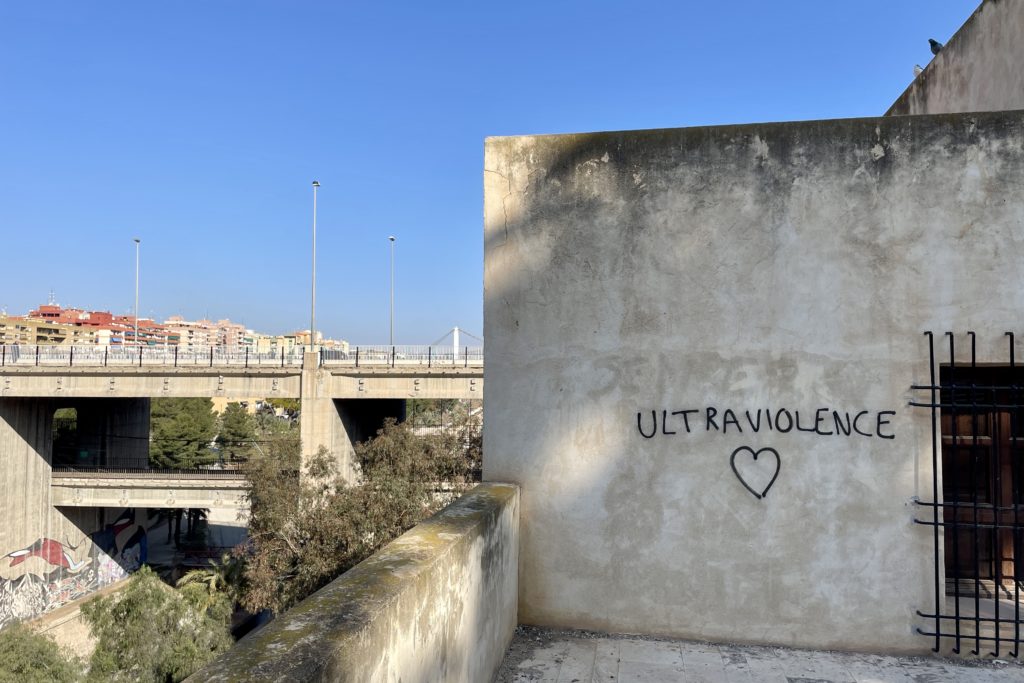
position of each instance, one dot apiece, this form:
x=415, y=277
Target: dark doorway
x=976, y=506
x=982, y=472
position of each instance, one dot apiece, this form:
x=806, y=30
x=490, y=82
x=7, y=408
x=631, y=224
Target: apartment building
x=25, y=330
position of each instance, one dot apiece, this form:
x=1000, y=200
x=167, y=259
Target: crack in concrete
x=504, y=206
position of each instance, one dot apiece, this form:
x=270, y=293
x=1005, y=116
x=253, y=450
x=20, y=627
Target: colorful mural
x=49, y=573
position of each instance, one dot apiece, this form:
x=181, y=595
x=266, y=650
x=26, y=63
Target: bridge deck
x=409, y=380
x=223, y=489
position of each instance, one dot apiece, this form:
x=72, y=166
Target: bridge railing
x=396, y=356
x=60, y=472
x=66, y=355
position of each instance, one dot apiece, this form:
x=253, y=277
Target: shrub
x=30, y=657
x=150, y=632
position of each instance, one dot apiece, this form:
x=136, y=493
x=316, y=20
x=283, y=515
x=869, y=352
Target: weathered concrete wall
x=68, y=627
x=437, y=604
x=48, y=555
x=786, y=267
x=979, y=69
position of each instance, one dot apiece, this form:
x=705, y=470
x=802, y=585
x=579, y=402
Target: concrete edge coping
x=70, y=610
x=301, y=643
x=149, y=484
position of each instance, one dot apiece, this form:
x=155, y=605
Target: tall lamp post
x=391, y=238
x=312, y=313
x=137, y=241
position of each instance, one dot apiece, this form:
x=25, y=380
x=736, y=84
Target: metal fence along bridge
x=42, y=355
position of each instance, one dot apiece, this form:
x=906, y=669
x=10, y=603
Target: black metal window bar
x=977, y=414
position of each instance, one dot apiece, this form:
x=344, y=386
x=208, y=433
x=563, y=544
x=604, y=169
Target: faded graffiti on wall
x=49, y=573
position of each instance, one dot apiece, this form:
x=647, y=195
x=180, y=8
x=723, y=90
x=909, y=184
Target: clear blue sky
x=198, y=126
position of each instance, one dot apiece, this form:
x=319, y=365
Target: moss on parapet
x=331, y=624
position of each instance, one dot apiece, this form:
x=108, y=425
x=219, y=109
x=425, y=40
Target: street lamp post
x=137, y=241
x=312, y=313
x=391, y=238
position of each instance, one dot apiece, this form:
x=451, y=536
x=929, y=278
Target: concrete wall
x=979, y=69
x=780, y=267
x=48, y=555
x=68, y=627
x=437, y=604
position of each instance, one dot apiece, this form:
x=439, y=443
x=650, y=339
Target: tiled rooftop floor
x=573, y=657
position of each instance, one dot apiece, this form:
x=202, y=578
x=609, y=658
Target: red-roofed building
x=108, y=329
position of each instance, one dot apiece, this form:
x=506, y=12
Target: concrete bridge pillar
x=25, y=443
x=338, y=424
x=40, y=545
x=44, y=549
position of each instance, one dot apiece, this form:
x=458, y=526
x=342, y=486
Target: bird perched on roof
x=936, y=46
x=917, y=70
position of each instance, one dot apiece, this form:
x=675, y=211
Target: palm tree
x=215, y=589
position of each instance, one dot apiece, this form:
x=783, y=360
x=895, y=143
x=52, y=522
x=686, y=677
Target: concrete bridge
x=145, y=372
x=63, y=524
x=141, y=488
x=344, y=396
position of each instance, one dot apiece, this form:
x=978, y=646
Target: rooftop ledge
x=437, y=603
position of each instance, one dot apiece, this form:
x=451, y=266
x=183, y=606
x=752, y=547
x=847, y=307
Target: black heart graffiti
x=754, y=454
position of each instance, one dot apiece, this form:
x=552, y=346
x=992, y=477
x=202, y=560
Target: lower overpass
x=145, y=488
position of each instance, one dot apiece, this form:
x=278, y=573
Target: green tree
x=428, y=412
x=270, y=427
x=30, y=657
x=150, y=632
x=215, y=589
x=237, y=432
x=65, y=414
x=398, y=452
x=289, y=405
x=181, y=432
x=304, y=531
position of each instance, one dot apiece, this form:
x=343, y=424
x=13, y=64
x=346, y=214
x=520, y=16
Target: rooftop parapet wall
x=436, y=604
x=650, y=295
x=981, y=68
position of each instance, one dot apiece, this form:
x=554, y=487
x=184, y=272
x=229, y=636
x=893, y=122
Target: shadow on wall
x=49, y=573
x=537, y=215
x=576, y=181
